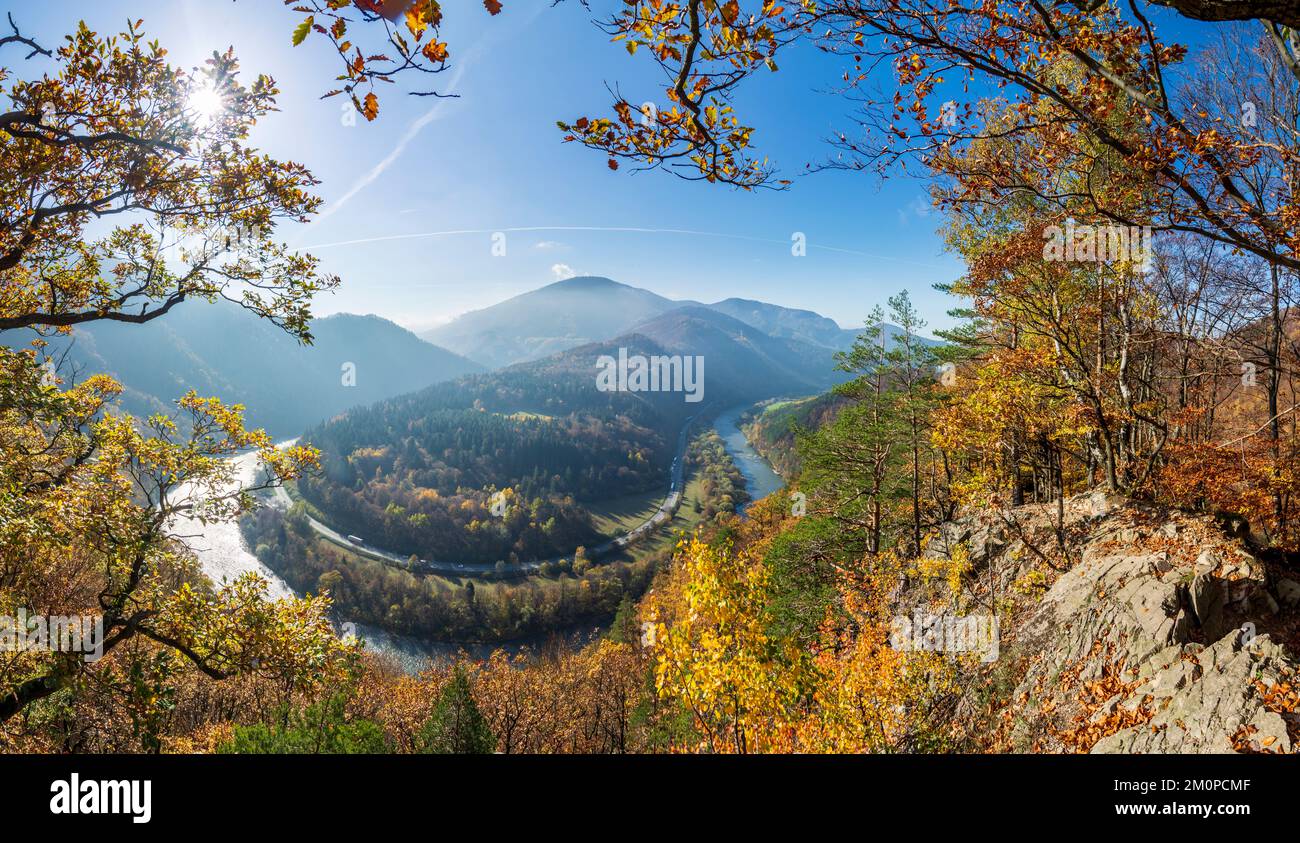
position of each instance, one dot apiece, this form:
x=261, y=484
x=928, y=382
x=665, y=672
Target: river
x=223, y=555
x=760, y=479
x=220, y=547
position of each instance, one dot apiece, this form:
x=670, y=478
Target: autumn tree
x=120, y=199
x=1072, y=62
x=749, y=688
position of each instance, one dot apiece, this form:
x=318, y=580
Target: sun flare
x=206, y=103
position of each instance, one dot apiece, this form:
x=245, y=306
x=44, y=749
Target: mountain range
x=751, y=349
x=588, y=309
x=223, y=350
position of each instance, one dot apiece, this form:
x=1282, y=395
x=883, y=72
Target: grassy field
x=786, y=402
x=666, y=537
x=620, y=515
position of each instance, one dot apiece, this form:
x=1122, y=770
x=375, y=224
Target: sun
x=206, y=103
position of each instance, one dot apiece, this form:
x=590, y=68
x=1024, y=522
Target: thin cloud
x=562, y=271
x=920, y=207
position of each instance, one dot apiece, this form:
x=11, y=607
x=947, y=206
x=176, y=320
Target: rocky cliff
x=1123, y=628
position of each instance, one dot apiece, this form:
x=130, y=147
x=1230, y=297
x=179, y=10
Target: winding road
x=432, y=566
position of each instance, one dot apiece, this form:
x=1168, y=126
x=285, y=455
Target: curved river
x=223, y=554
x=220, y=547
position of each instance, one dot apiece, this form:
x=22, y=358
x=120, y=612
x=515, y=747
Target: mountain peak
x=585, y=282
x=559, y=316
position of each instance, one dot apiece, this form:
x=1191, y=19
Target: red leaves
x=389, y=10
x=493, y=6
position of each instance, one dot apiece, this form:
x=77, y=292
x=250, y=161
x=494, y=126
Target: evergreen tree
x=456, y=726
x=322, y=728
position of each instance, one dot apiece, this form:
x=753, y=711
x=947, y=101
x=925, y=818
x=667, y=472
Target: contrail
x=409, y=135
x=608, y=228
x=420, y=122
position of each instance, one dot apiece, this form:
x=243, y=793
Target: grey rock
x=1207, y=596
x=1288, y=591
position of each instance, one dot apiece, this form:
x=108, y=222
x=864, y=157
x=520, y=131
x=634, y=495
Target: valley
x=471, y=602
x=523, y=500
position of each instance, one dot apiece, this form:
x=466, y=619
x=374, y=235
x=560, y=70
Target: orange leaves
x=708, y=49
x=371, y=49
x=1100, y=718
x=748, y=690
x=423, y=15
x=435, y=51
x=1254, y=478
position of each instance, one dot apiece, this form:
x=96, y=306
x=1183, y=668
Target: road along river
x=676, y=483
x=223, y=556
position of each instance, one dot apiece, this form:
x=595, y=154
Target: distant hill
x=739, y=360
x=588, y=309
x=557, y=317
x=788, y=323
x=804, y=326
x=227, y=352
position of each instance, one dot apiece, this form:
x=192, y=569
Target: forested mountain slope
x=418, y=473
x=222, y=350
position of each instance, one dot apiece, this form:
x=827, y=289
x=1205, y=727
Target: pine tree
x=456, y=726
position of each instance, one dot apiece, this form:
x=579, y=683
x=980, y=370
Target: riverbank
x=760, y=478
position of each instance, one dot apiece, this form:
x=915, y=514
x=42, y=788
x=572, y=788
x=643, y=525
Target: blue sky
x=491, y=160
